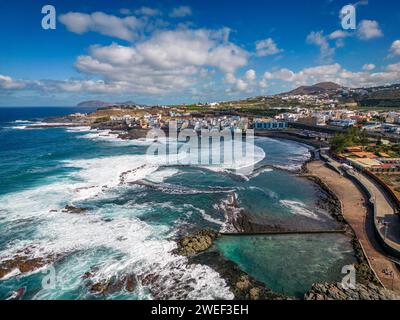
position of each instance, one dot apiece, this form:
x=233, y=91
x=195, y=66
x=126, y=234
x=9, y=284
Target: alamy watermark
x=349, y=280
x=49, y=21
x=348, y=17
x=347, y=14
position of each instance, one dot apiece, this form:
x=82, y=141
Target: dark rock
x=18, y=294
x=74, y=210
x=242, y=285
x=112, y=285
x=133, y=134
x=197, y=243
x=25, y=264
x=335, y=291
x=87, y=275
x=148, y=279
x=130, y=283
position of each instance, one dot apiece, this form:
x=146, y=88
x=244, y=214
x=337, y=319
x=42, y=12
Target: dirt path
x=360, y=218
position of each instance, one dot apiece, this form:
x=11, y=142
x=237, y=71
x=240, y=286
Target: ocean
x=131, y=224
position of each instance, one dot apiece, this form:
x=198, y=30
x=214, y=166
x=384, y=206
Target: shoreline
x=357, y=215
x=363, y=267
x=277, y=136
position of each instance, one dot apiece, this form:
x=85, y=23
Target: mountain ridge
x=317, y=88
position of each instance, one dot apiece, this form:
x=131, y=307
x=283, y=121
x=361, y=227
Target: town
x=354, y=135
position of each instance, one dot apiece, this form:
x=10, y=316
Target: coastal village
x=355, y=164
x=195, y=158
x=357, y=155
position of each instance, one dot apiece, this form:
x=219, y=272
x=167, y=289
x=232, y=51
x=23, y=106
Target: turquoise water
x=300, y=260
x=130, y=226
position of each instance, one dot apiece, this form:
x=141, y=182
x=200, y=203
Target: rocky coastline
x=199, y=249
x=335, y=291
x=24, y=263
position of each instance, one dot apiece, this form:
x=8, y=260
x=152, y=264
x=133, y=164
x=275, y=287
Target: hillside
x=93, y=104
x=318, y=88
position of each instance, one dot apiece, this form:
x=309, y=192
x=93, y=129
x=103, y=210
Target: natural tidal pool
x=290, y=264
x=130, y=225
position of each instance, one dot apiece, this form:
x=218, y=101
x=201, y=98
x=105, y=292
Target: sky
x=189, y=51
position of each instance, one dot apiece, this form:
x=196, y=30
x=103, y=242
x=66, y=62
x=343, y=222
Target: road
x=360, y=218
x=385, y=211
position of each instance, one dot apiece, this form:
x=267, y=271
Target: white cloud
x=263, y=84
x=368, y=67
x=240, y=85
x=267, y=47
x=167, y=62
x=181, y=12
x=369, y=29
x=7, y=83
x=247, y=83
x=230, y=78
x=282, y=74
x=57, y=86
x=339, y=34
x=395, y=48
x=320, y=40
x=147, y=11
x=250, y=75
x=336, y=73
x=109, y=25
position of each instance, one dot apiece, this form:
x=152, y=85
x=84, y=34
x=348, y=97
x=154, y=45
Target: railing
x=372, y=204
x=389, y=192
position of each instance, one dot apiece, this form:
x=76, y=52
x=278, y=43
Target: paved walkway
x=385, y=211
x=361, y=220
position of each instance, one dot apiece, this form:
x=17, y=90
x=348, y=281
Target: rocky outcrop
x=326, y=291
x=364, y=273
x=17, y=294
x=74, y=210
x=247, y=289
x=197, y=249
x=134, y=134
x=197, y=243
x=115, y=284
x=242, y=285
x=25, y=264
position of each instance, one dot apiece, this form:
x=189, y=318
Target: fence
x=372, y=205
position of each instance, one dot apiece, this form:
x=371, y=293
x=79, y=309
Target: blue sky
x=174, y=51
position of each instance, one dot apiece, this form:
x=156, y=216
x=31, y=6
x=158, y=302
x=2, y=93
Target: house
x=354, y=149
x=343, y=123
x=364, y=155
x=313, y=121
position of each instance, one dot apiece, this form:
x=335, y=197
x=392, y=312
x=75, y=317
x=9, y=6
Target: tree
x=353, y=136
x=338, y=143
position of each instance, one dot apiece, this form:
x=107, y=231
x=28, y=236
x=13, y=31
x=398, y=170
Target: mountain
x=383, y=96
x=103, y=104
x=318, y=88
x=94, y=104
x=126, y=103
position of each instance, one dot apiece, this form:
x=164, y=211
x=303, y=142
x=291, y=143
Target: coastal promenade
x=360, y=218
x=385, y=211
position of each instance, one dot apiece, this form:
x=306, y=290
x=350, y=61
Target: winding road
x=360, y=218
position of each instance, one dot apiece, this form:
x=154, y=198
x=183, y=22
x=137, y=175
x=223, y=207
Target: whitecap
x=299, y=208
